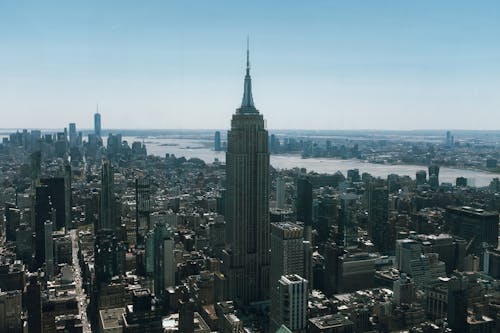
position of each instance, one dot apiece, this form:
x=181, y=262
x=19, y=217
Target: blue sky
x=315, y=64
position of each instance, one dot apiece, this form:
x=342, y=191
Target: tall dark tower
x=142, y=209
x=107, y=202
x=247, y=255
x=304, y=205
x=97, y=123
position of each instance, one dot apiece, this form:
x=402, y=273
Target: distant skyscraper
x=72, y=134
x=247, y=203
x=217, y=144
x=421, y=177
x=142, y=208
x=97, y=124
x=434, y=176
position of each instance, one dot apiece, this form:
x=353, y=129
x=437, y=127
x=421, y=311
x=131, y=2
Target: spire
x=247, y=105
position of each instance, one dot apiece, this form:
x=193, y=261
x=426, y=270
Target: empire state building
x=247, y=256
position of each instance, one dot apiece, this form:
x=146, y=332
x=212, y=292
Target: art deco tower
x=247, y=256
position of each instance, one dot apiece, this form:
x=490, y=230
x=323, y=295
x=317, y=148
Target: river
x=193, y=148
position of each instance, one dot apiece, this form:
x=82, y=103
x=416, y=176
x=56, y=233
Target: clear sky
x=347, y=64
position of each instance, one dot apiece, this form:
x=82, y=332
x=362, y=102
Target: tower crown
x=247, y=105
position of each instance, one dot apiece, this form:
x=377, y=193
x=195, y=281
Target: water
x=202, y=149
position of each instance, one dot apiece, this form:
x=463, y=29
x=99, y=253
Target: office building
x=142, y=209
x=404, y=290
x=247, y=203
x=49, y=250
x=304, y=205
x=107, y=199
x=58, y=193
x=42, y=214
x=292, y=303
x=457, y=303
x=280, y=193
x=287, y=257
x=73, y=136
x=97, y=124
x=11, y=311
x=378, y=211
x=434, y=176
x=34, y=304
x=475, y=225
x=421, y=177
x=217, y=142
x=163, y=258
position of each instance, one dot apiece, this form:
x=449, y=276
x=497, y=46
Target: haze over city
x=332, y=65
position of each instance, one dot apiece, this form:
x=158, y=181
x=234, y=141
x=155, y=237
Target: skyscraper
x=106, y=203
x=97, y=123
x=304, y=204
x=280, y=193
x=142, y=208
x=378, y=213
x=49, y=250
x=42, y=214
x=247, y=202
x=72, y=134
x=287, y=257
x=292, y=302
x=217, y=143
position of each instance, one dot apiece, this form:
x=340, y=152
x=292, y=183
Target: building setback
x=247, y=257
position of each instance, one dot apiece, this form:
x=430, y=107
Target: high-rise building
x=142, y=209
x=97, y=124
x=58, y=193
x=247, y=202
x=163, y=258
x=304, y=205
x=457, y=303
x=73, y=136
x=347, y=219
x=333, y=268
x=434, y=176
x=378, y=213
x=292, y=302
x=186, y=312
x=49, y=250
x=287, y=257
x=217, y=143
x=477, y=226
x=404, y=290
x=42, y=214
x=280, y=193
x=107, y=198
x=421, y=177
x=10, y=311
x=34, y=304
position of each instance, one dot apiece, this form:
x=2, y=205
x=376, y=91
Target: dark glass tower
x=247, y=255
x=97, y=124
x=142, y=209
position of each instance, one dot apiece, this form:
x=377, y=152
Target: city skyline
x=329, y=66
